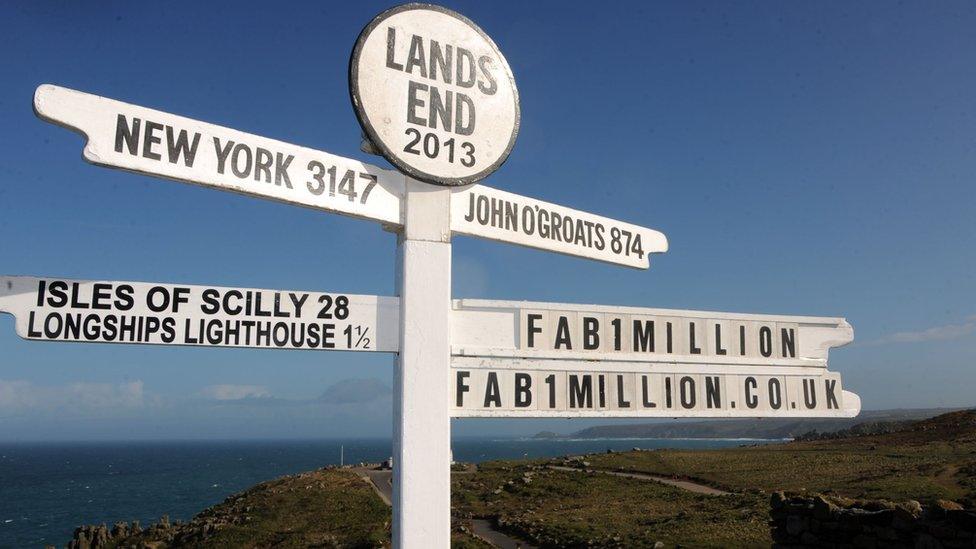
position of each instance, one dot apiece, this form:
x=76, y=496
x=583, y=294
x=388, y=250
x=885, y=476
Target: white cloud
x=235, y=392
x=20, y=395
x=105, y=395
x=935, y=333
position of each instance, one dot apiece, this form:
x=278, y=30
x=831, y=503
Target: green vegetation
x=570, y=509
x=928, y=460
x=325, y=508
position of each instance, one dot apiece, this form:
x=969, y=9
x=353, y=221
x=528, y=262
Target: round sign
x=434, y=94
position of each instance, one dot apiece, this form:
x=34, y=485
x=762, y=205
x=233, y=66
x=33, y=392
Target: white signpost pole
x=422, y=423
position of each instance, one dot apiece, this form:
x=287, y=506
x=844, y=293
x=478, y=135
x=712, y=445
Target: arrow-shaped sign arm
x=156, y=143
x=498, y=215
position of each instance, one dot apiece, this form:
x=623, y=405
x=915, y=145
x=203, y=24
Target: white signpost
x=436, y=97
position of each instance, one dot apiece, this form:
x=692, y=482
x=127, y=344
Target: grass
x=859, y=468
x=569, y=509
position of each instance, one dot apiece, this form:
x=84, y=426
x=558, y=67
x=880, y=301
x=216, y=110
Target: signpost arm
x=422, y=425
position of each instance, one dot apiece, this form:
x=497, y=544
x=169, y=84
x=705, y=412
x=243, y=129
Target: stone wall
x=817, y=521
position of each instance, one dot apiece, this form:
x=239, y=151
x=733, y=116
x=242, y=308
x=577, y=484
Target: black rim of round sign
x=371, y=132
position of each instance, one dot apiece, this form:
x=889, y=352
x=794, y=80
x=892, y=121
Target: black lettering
x=563, y=338
x=101, y=295
x=695, y=350
x=532, y=329
x=58, y=293
x=222, y=153
x=602, y=390
x=719, y=350
x=464, y=73
x=591, y=333
x=831, y=387
x=123, y=297
x=416, y=56
x=646, y=394
x=523, y=393
x=580, y=391
x=149, y=139
x=809, y=393
x=181, y=146
x=462, y=387
x=484, y=63
x=262, y=164
x=751, y=399
x=775, y=393
x=688, y=394
x=765, y=341
x=670, y=339
x=129, y=137
x=492, y=393
x=464, y=114
x=643, y=336
x=414, y=102
x=470, y=215
x=788, y=337
x=551, y=382
x=713, y=392
x=442, y=60
x=391, y=49
x=76, y=303
x=621, y=402
x=440, y=109
x=281, y=169
x=248, y=157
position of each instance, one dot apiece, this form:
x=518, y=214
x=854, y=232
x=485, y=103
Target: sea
x=47, y=489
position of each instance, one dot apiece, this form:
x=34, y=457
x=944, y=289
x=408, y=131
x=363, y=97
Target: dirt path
x=486, y=531
x=382, y=482
x=683, y=484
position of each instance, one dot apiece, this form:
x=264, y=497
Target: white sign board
x=498, y=215
x=434, y=94
x=514, y=358
x=524, y=329
x=156, y=143
x=55, y=309
x=512, y=388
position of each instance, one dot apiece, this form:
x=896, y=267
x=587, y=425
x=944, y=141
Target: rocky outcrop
x=158, y=534
x=818, y=521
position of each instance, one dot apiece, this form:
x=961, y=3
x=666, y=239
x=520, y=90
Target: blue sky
x=802, y=159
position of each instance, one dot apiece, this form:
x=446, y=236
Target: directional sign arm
x=498, y=215
x=490, y=328
x=103, y=311
x=151, y=142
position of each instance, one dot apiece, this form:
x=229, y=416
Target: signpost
x=438, y=100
